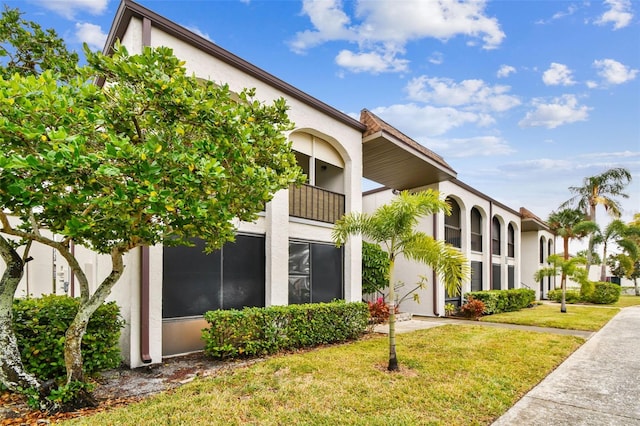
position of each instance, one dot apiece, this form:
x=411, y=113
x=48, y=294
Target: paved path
x=599, y=384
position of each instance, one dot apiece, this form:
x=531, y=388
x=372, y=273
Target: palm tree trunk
x=393, y=359
x=592, y=217
x=603, y=267
x=563, y=279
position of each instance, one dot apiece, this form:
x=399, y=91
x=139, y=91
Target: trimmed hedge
x=605, y=293
x=571, y=295
x=498, y=301
x=261, y=331
x=602, y=294
x=40, y=324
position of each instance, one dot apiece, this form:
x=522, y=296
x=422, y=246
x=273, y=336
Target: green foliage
x=601, y=293
x=40, y=325
x=571, y=296
x=473, y=308
x=498, y=301
x=605, y=293
x=375, y=268
x=27, y=49
x=450, y=309
x=157, y=157
x=378, y=311
x=260, y=331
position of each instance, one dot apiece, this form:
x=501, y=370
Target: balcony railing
x=452, y=235
x=311, y=202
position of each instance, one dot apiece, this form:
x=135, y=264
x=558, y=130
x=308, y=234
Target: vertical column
x=277, y=250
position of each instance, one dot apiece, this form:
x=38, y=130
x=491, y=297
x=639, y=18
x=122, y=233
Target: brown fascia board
x=529, y=216
x=485, y=197
x=129, y=9
x=383, y=128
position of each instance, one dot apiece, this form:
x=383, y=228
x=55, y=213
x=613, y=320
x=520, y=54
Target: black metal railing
x=313, y=203
x=453, y=235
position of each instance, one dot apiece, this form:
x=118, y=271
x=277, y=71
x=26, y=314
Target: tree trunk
x=592, y=217
x=603, y=267
x=75, y=332
x=635, y=285
x=12, y=372
x=563, y=279
x=393, y=359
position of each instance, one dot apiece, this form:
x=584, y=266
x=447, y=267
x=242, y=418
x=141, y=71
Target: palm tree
x=392, y=226
x=569, y=224
x=599, y=190
x=614, y=230
x=627, y=263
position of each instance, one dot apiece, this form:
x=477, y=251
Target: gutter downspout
x=144, y=252
x=434, y=277
x=144, y=305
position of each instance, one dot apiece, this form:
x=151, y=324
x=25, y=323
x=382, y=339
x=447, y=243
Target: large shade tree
x=153, y=156
x=25, y=50
x=600, y=190
x=393, y=227
x=568, y=224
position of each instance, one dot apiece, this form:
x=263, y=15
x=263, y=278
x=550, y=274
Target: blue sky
x=522, y=98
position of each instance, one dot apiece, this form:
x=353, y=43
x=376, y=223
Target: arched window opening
x=541, y=249
x=452, y=229
x=496, y=241
x=511, y=241
x=476, y=230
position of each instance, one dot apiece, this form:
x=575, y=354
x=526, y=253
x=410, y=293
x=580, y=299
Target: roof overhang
x=530, y=224
x=391, y=162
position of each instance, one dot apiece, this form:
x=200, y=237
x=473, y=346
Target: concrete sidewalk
x=599, y=384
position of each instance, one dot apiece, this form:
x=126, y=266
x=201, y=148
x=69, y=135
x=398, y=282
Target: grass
x=577, y=317
x=449, y=375
x=626, y=301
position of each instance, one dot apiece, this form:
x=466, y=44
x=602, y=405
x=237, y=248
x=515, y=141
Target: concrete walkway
x=599, y=384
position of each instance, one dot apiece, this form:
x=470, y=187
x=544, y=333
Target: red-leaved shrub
x=473, y=308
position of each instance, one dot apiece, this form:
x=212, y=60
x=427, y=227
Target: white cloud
x=559, y=111
x=69, y=8
x=372, y=62
x=571, y=9
x=614, y=72
x=388, y=25
x=619, y=14
x=481, y=146
x=591, y=84
x=436, y=58
x=472, y=94
x=558, y=75
x=425, y=121
x=91, y=34
x=541, y=164
x=505, y=70
x=198, y=31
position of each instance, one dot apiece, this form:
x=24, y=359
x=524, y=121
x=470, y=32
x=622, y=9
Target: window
x=476, y=230
x=495, y=236
x=315, y=272
x=476, y=276
x=541, y=249
x=549, y=247
x=496, y=279
x=511, y=276
x=511, y=238
x=195, y=282
x=452, y=230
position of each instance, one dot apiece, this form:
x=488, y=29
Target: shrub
x=40, y=324
x=473, y=308
x=605, y=293
x=497, y=301
x=375, y=268
x=261, y=331
x=378, y=311
x=571, y=295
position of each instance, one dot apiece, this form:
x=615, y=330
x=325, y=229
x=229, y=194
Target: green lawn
x=449, y=375
x=626, y=301
x=577, y=317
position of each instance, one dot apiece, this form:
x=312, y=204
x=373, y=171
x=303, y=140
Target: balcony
x=313, y=203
